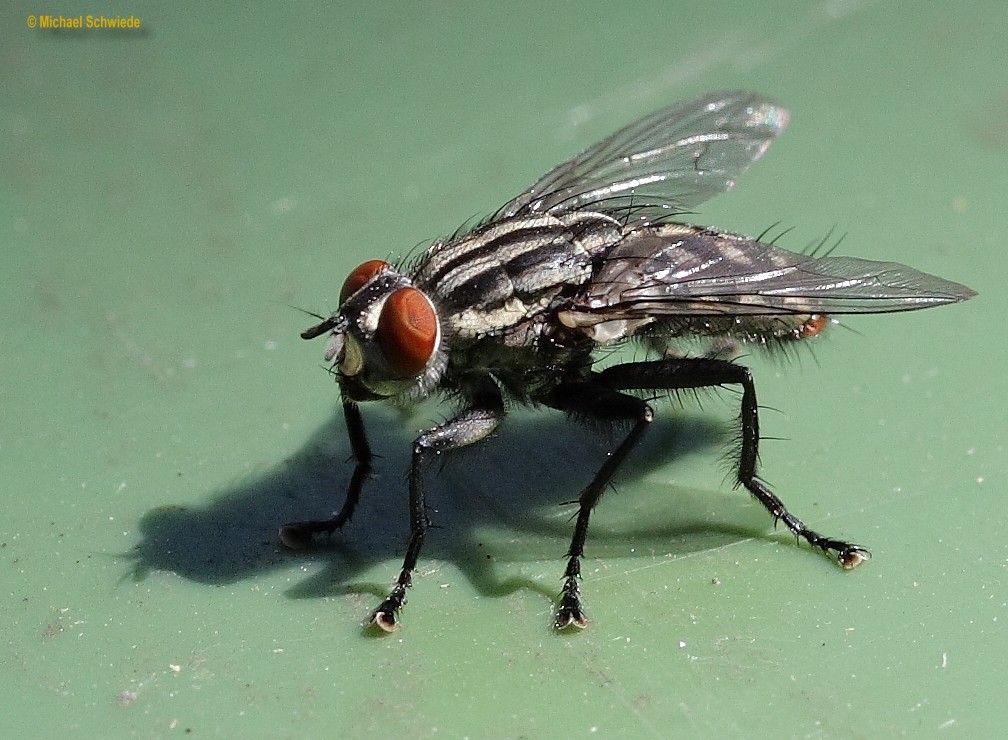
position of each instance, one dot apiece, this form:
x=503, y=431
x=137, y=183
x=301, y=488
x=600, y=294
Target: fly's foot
x=851, y=556
x=299, y=535
x=848, y=556
x=386, y=616
x=569, y=614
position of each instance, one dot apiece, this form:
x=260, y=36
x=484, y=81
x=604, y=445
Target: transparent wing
x=678, y=270
x=665, y=163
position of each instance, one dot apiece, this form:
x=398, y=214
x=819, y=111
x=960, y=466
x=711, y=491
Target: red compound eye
x=407, y=331
x=361, y=274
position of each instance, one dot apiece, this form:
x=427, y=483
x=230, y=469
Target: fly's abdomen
x=686, y=280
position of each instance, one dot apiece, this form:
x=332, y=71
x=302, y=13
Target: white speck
x=682, y=644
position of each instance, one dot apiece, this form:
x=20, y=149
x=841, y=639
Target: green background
x=168, y=194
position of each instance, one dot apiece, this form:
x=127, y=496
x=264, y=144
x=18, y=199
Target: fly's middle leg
x=593, y=399
x=685, y=373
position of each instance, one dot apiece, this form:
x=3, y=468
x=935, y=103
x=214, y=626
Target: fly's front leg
x=473, y=424
x=298, y=535
x=682, y=373
x=592, y=399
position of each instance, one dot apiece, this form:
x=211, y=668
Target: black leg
x=593, y=399
x=675, y=374
x=298, y=535
x=473, y=424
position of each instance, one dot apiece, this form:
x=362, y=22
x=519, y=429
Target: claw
x=384, y=619
x=386, y=616
x=569, y=614
x=570, y=619
x=852, y=556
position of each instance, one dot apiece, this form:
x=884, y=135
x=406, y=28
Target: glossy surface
x=161, y=416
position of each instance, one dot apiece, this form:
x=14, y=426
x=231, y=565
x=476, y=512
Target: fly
x=592, y=256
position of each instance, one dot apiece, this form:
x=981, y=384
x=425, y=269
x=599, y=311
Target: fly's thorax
x=386, y=340
x=499, y=276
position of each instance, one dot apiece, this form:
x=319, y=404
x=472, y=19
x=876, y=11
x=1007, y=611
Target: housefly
x=516, y=309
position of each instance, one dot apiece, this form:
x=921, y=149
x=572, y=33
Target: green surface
x=166, y=195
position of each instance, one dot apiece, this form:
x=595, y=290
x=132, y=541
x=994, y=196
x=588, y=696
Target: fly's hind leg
x=683, y=373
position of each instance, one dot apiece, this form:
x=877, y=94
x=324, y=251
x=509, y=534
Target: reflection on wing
x=662, y=164
x=678, y=270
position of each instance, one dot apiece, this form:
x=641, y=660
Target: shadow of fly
x=517, y=308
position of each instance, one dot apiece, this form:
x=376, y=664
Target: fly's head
x=385, y=339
